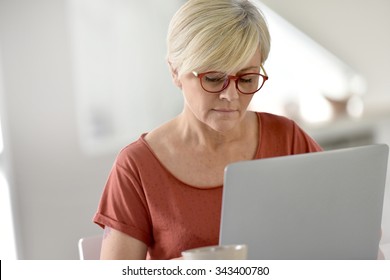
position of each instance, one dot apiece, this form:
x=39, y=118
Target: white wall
x=56, y=186
x=52, y=178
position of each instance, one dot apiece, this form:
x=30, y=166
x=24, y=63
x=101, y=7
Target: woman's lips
x=222, y=110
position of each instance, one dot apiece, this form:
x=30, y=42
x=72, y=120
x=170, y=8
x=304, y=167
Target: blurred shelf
x=347, y=132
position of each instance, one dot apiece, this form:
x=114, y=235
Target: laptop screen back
x=325, y=205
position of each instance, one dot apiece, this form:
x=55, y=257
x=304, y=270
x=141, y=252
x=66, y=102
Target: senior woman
x=164, y=192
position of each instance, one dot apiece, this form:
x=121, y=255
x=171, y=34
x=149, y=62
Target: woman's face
x=220, y=111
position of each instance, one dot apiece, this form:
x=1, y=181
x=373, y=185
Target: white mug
x=221, y=252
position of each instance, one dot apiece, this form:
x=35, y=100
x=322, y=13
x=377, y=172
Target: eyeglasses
x=216, y=82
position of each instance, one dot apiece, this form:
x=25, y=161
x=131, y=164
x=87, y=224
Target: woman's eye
x=214, y=79
x=249, y=79
x=245, y=80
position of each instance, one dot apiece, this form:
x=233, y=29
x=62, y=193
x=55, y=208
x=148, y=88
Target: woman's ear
x=175, y=75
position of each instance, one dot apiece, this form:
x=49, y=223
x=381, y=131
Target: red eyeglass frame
x=232, y=77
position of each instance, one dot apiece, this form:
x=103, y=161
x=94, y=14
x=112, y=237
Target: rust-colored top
x=144, y=200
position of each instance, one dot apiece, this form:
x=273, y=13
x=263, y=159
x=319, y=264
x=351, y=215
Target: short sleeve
x=123, y=204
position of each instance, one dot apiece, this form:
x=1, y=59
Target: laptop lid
x=325, y=205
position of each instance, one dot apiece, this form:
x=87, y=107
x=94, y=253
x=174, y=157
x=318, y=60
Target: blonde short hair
x=221, y=35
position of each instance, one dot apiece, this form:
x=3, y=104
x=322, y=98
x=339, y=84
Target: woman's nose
x=230, y=92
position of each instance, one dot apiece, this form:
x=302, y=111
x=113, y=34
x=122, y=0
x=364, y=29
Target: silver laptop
x=325, y=205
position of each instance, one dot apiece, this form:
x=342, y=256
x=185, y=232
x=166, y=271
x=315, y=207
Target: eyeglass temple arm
x=262, y=68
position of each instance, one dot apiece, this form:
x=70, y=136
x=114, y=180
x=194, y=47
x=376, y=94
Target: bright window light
x=1, y=140
x=7, y=234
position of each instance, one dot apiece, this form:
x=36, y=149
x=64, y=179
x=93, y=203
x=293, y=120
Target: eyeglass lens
x=217, y=82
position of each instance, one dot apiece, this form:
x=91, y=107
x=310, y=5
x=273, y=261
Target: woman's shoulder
x=275, y=122
x=148, y=140
x=146, y=148
x=158, y=138
x=279, y=132
x=137, y=149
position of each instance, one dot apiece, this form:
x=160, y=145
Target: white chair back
x=89, y=247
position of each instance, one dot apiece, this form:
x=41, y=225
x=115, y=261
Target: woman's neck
x=196, y=133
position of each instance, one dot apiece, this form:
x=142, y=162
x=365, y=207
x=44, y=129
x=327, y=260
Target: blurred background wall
x=54, y=183
x=355, y=31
